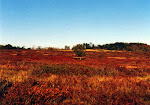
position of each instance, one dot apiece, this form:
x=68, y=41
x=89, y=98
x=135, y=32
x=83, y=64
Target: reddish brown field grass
x=54, y=77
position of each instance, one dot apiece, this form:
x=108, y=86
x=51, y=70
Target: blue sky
x=57, y=23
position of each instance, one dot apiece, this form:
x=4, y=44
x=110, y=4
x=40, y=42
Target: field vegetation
x=42, y=76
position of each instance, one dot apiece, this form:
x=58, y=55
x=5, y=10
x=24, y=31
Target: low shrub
x=87, y=70
x=66, y=90
x=23, y=93
x=4, y=86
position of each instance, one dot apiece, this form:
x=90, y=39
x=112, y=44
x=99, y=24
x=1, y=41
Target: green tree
x=79, y=50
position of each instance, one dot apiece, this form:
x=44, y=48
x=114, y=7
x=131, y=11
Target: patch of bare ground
x=131, y=67
x=64, y=50
x=14, y=54
x=117, y=57
x=46, y=54
x=134, y=58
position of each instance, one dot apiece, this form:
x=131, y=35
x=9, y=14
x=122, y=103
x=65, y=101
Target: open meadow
x=55, y=77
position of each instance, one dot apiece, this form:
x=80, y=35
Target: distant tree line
x=9, y=46
x=119, y=46
x=111, y=46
